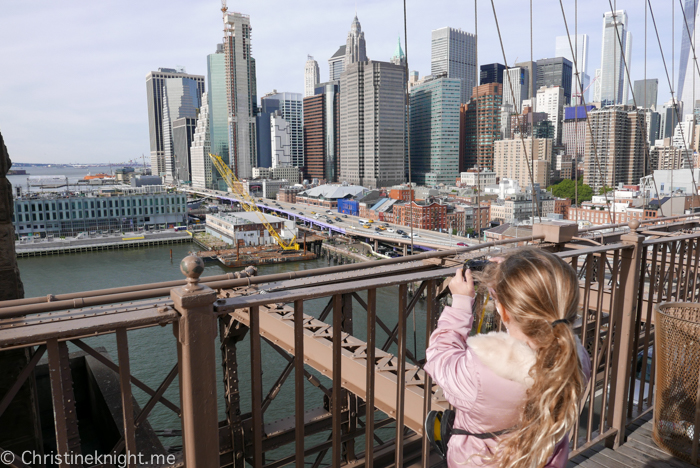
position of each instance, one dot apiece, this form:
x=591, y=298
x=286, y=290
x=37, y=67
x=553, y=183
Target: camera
x=475, y=264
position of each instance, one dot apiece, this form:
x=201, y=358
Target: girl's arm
x=449, y=361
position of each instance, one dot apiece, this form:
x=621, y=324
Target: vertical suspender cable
x=408, y=127
x=576, y=104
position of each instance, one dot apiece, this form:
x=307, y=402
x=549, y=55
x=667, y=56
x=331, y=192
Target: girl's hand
x=463, y=285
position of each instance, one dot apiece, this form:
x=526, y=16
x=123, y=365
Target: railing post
x=196, y=333
x=623, y=320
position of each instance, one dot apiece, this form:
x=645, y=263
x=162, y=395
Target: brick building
x=424, y=215
x=484, y=108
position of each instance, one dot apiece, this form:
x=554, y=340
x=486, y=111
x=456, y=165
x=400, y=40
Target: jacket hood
x=507, y=357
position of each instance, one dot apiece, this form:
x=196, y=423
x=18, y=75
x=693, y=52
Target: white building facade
x=551, y=101
x=202, y=176
x=280, y=139
x=311, y=76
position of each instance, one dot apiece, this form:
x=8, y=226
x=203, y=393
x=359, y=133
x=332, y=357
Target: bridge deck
x=638, y=451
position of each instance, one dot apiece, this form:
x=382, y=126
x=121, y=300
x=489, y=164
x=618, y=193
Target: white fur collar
x=507, y=357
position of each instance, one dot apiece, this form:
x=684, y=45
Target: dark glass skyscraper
x=555, y=72
x=491, y=73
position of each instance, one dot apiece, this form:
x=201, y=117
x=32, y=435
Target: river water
x=153, y=350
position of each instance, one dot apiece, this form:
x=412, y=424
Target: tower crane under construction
x=248, y=203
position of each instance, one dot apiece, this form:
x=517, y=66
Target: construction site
x=239, y=239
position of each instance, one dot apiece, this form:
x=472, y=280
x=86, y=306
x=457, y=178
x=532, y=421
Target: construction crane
x=248, y=203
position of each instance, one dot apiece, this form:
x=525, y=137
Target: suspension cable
x=408, y=127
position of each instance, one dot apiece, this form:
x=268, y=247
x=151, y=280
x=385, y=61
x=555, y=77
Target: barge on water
x=258, y=255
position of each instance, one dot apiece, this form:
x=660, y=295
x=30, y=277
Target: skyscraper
x=314, y=132
x=321, y=132
x=241, y=94
x=482, y=125
x=336, y=64
x=618, y=139
x=183, y=135
x=575, y=131
x=434, y=124
x=563, y=49
x=290, y=106
x=670, y=114
x=516, y=82
x=613, y=87
x=155, y=82
x=181, y=99
x=200, y=149
x=453, y=52
x=551, y=101
x=531, y=68
x=689, y=11
x=311, y=76
x=218, y=114
x=645, y=93
x=355, y=48
x=690, y=91
x=555, y=72
x=372, y=124
x=491, y=73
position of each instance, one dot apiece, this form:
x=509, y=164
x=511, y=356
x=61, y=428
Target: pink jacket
x=485, y=377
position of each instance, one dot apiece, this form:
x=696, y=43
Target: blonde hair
x=537, y=288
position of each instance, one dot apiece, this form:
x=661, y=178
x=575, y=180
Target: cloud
x=72, y=87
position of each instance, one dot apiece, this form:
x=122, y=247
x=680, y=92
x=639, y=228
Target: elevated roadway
x=348, y=225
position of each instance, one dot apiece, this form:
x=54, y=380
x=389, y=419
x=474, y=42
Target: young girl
x=528, y=380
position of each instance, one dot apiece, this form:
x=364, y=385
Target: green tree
x=567, y=189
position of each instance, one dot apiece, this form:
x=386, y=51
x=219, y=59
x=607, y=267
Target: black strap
x=483, y=435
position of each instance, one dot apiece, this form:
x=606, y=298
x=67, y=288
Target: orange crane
x=248, y=203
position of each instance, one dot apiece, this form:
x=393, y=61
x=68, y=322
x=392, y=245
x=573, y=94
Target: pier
x=44, y=246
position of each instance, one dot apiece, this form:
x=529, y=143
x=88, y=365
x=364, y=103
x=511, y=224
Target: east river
x=153, y=350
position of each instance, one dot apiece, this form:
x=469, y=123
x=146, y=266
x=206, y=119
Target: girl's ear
x=502, y=312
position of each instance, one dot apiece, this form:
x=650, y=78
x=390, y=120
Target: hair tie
x=557, y=322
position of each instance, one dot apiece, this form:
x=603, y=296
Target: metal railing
x=375, y=383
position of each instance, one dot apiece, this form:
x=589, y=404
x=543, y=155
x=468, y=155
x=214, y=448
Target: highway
x=348, y=224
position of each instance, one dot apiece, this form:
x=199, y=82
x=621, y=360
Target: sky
x=73, y=74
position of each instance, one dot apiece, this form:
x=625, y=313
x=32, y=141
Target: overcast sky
x=72, y=74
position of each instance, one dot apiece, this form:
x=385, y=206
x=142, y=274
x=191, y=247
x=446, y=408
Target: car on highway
x=313, y=212
x=293, y=208
x=366, y=226
x=345, y=216
x=329, y=221
x=329, y=212
x=415, y=235
x=405, y=236
x=389, y=230
x=400, y=232
x=382, y=228
x=461, y=244
x=338, y=219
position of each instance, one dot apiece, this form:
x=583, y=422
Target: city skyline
x=116, y=53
